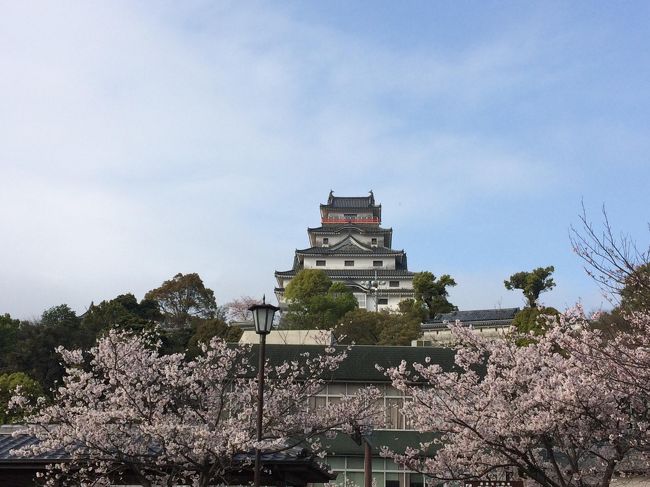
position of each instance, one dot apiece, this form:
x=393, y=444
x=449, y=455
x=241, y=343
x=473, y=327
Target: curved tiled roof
x=349, y=249
x=354, y=273
x=477, y=315
x=474, y=317
x=350, y=202
x=339, y=227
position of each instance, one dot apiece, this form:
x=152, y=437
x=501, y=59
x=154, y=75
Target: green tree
x=635, y=294
x=532, y=283
x=307, y=284
x=205, y=330
x=182, y=298
x=123, y=312
x=34, y=352
x=361, y=327
x=433, y=292
x=533, y=320
x=414, y=309
x=314, y=302
x=364, y=327
x=9, y=328
x=30, y=388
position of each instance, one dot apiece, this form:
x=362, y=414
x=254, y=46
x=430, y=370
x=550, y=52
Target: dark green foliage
x=415, y=309
x=635, y=294
x=207, y=329
x=532, y=283
x=433, y=292
x=35, y=352
x=183, y=298
x=8, y=384
x=123, y=312
x=307, y=284
x=612, y=323
x=532, y=320
x=364, y=327
x=315, y=302
x=8, y=338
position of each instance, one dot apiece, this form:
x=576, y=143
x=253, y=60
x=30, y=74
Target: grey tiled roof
x=349, y=249
x=365, y=229
x=354, y=274
x=350, y=202
x=382, y=292
x=9, y=442
x=478, y=315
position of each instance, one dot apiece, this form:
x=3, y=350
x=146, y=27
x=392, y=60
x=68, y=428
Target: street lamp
x=373, y=287
x=263, y=317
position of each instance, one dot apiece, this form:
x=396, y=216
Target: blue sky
x=142, y=139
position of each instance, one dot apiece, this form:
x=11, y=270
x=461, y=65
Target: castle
x=351, y=247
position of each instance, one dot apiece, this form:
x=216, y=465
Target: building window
x=377, y=263
x=350, y=216
x=382, y=301
x=349, y=263
x=326, y=240
x=393, y=283
x=374, y=241
x=320, y=263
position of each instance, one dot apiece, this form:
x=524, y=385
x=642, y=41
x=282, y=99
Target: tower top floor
x=356, y=210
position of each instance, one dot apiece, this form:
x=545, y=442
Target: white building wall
x=341, y=214
x=335, y=239
x=336, y=262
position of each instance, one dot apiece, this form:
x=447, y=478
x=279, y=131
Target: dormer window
x=374, y=241
x=326, y=241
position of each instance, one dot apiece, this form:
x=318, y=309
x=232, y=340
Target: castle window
x=350, y=216
x=382, y=301
x=377, y=263
x=320, y=263
x=374, y=241
x=349, y=263
x=326, y=240
x=393, y=283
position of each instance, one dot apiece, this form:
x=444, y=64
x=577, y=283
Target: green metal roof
x=361, y=361
x=396, y=440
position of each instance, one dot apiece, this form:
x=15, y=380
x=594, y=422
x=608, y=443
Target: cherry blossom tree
x=239, y=309
x=125, y=411
x=566, y=410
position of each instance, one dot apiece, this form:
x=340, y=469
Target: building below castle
x=351, y=247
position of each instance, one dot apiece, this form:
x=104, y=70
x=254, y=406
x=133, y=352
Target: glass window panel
x=317, y=402
x=392, y=480
x=353, y=388
x=378, y=464
x=394, y=417
x=337, y=463
x=378, y=478
x=356, y=478
x=391, y=391
x=355, y=463
x=414, y=480
x=336, y=389
x=391, y=465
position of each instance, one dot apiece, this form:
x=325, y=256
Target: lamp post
x=373, y=287
x=263, y=317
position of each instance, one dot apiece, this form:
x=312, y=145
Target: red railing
x=351, y=220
